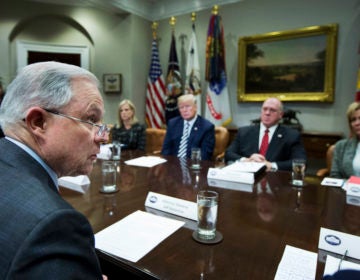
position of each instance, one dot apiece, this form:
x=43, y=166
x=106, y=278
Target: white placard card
x=173, y=205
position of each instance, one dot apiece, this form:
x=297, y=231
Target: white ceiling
x=148, y=9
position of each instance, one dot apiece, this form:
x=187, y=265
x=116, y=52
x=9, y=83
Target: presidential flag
x=192, y=83
x=217, y=98
x=173, y=82
x=155, y=93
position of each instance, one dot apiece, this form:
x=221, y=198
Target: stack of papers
x=241, y=172
x=134, y=236
x=146, y=161
x=352, y=188
x=105, y=151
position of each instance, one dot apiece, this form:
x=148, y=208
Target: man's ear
x=36, y=120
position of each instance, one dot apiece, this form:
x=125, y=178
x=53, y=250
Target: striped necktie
x=184, y=141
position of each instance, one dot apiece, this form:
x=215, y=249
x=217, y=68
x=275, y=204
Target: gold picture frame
x=112, y=83
x=294, y=65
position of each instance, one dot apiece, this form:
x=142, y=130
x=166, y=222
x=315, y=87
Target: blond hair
x=132, y=108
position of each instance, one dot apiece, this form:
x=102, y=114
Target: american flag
x=155, y=93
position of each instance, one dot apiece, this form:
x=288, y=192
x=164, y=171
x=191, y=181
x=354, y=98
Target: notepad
x=135, y=235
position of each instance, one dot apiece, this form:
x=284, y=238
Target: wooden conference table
x=256, y=226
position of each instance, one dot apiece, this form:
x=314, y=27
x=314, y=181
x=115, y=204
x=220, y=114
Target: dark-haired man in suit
x=269, y=142
x=189, y=131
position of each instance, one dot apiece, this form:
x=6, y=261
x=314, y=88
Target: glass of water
x=207, y=207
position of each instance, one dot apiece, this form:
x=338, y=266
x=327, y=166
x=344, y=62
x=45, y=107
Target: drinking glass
x=298, y=172
x=207, y=206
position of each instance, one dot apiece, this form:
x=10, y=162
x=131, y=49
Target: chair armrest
x=322, y=172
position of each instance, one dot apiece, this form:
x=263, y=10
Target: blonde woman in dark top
x=130, y=133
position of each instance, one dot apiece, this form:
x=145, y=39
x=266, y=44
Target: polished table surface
x=256, y=225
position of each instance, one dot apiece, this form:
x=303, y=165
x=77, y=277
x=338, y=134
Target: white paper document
x=332, y=265
x=146, y=161
x=297, y=264
x=134, y=236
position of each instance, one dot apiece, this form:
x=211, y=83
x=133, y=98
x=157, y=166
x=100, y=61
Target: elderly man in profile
x=189, y=130
x=51, y=117
x=268, y=142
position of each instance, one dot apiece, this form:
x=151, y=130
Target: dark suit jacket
x=284, y=146
x=202, y=136
x=41, y=236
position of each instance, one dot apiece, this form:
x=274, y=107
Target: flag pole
x=154, y=27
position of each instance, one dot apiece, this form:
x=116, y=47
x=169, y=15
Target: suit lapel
x=195, y=128
x=275, y=143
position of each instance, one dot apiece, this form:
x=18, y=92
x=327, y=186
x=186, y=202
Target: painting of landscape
x=293, y=65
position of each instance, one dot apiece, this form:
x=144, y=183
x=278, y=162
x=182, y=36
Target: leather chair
x=222, y=137
x=323, y=172
x=154, y=140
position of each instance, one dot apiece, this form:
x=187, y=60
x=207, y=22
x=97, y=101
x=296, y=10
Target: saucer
x=218, y=238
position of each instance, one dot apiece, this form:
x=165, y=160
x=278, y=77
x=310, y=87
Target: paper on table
x=134, y=236
x=105, y=151
x=296, y=264
x=79, y=183
x=332, y=265
x=146, y=161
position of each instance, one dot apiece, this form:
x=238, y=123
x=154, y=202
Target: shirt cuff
x=274, y=167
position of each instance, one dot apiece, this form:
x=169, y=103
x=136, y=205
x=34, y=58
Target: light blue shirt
x=34, y=155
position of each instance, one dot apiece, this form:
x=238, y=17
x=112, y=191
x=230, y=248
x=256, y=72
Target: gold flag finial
x=172, y=21
x=215, y=10
x=193, y=17
x=154, y=27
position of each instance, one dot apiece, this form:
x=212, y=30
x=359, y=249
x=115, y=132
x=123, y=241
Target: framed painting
x=112, y=83
x=294, y=65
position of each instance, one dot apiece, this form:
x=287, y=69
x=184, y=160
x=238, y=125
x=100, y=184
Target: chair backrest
x=222, y=136
x=329, y=156
x=154, y=140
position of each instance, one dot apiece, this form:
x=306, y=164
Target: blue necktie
x=183, y=142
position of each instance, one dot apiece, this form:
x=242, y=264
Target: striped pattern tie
x=183, y=142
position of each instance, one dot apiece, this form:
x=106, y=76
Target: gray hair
x=44, y=84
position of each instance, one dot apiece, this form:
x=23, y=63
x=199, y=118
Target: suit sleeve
x=61, y=246
x=208, y=143
x=232, y=153
x=297, y=150
x=167, y=147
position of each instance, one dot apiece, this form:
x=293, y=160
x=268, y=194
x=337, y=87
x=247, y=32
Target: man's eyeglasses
x=103, y=129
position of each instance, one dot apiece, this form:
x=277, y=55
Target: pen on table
x=342, y=258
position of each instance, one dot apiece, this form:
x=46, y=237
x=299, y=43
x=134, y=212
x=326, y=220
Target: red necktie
x=264, y=143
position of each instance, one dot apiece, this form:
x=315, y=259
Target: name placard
x=173, y=205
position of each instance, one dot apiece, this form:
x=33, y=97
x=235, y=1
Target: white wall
x=253, y=17
x=122, y=44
